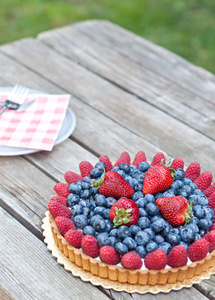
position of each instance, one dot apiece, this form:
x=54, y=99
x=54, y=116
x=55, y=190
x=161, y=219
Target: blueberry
x=167, y=229
x=158, y=239
x=173, y=239
x=92, y=204
x=187, y=234
x=75, y=188
x=142, y=212
x=208, y=212
x=85, y=185
x=140, y=178
x=85, y=194
x=133, y=182
x=150, y=232
x=151, y=246
x=198, y=211
x=198, y=192
x=188, y=190
x=100, y=200
x=158, y=195
x=113, y=232
x=155, y=218
x=187, y=181
x=76, y=210
x=125, y=168
x=99, y=225
x=205, y=224
x=194, y=220
x=134, y=229
x=138, y=187
x=121, y=248
x=72, y=199
x=152, y=209
x=194, y=198
x=137, y=195
x=99, y=210
x=143, y=222
x=197, y=236
x=101, y=165
x=182, y=193
x=158, y=225
x=112, y=241
x=179, y=173
x=110, y=201
x=96, y=173
x=84, y=203
x=81, y=221
x=141, y=202
x=103, y=239
x=193, y=226
x=141, y=251
x=86, y=211
x=109, y=225
x=130, y=243
x=193, y=186
x=175, y=230
x=94, y=218
x=166, y=247
x=202, y=232
x=142, y=238
x=106, y=213
x=122, y=173
x=177, y=184
x=93, y=191
x=186, y=246
x=87, y=179
x=89, y=230
x=115, y=169
x=123, y=232
x=168, y=193
x=150, y=198
x=202, y=200
x=143, y=166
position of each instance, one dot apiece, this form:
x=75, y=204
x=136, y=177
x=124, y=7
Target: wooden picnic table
x=128, y=94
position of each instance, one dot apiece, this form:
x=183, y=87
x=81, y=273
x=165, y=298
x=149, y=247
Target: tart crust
x=122, y=275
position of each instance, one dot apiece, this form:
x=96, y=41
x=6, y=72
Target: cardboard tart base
x=77, y=271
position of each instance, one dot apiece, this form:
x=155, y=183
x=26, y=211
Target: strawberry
x=158, y=158
x=210, y=237
x=64, y=224
x=204, y=180
x=62, y=189
x=177, y=257
x=74, y=237
x=131, y=260
x=193, y=171
x=123, y=159
x=156, y=260
x=211, y=201
x=177, y=163
x=85, y=168
x=109, y=255
x=114, y=185
x=90, y=246
x=139, y=157
x=105, y=159
x=59, y=199
x=72, y=177
x=59, y=210
x=157, y=179
x=124, y=212
x=176, y=210
x=210, y=190
x=198, y=250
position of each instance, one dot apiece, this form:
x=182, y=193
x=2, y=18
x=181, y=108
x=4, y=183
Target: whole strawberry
x=114, y=185
x=124, y=212
x=59, y=210
x=204, y=180
x=158, y=158
x=177, y=257
x=74, y=237
x=109, y=255
x=210, y=237
x=105, y=159
x=132, y=261
x=177, y=163
x=157, y=179
x=59, y=199
x=123, y=159
x=176, y=210
x=156, y=260
x=90, y=246
x=72, y=177
x=62, y=189
x=139, y=157
x=193, y=171
x=64, y=224
x=210, y=190
x=85, y=168
x=198, y=250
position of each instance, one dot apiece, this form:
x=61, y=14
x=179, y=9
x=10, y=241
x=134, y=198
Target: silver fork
x=15, y=100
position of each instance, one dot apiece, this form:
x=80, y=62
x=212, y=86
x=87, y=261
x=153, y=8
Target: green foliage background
x=185, y=27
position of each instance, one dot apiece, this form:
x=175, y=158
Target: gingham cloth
x=38, y=126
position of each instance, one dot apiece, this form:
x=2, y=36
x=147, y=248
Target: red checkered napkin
x=38, y=126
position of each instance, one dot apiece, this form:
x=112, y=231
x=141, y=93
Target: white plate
x=66, y=130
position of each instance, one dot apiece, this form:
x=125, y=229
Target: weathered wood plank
x=143, y=119
x=207, y=287
x=28, y=271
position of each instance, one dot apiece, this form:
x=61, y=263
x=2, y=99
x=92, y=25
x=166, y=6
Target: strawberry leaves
x=122, y=216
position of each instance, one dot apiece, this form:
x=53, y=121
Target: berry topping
x=177, y=163
x=123, y=159
x=64, y=224
x=106, y=160
x=211, y=201
x=74, y=237
x=90, y=246
x=59, y=199
x=85, y=168
x=193, y=171
x=59, y=210
x=156, y=260
x=62, y=189
x=204, y=180
x=109, y=255
x=210, y=237
x=158, y=158
x=177, y=257
x=131, y=260
x=139, y=157
x=210, y=190
x=198, y=250
x=72, y=177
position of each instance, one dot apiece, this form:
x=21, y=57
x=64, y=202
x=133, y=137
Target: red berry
x=213, y=226
x=72, y=177
x=109, y=255
x=204, y=180
x=198, y=250
x=158, y=158
x=210, y=237
x=211, y=200
x=210, y=190
x=123, y=159
x=59, y=210
x=62, y=189
x=64, y=224
x=177, y=163
x=131, y=260
x=74, y=237
x=90, y=246
x=59, y=199
x=85, y=168
x=177, y=257
x=193, y=171
x=156, y=260
x=105, y=159
x=139, y=157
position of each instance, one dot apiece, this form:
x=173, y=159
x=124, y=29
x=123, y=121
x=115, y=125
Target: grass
x=184, y=27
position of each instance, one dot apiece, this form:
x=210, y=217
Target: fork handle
x=2, y=109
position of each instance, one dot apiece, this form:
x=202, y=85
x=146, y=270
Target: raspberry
x=85, y=168
x=72, y=177
x=105, y=159
x=211, y=201
x=59, y=210
x=109, y=255
x=62, y=189
x=156, y=260
x=213, y=226
x=59, y=199
x=193, y=171
x=90, y=246
x=198, y=250
x=177, y=257
x=74, y=237
x=123, y=159
x=204, y=180
x=177, y=163
x=210, y=237
x=131, y=260
x=158, y=158
x=210, y=190
x=64, y=224
x=139, y=157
